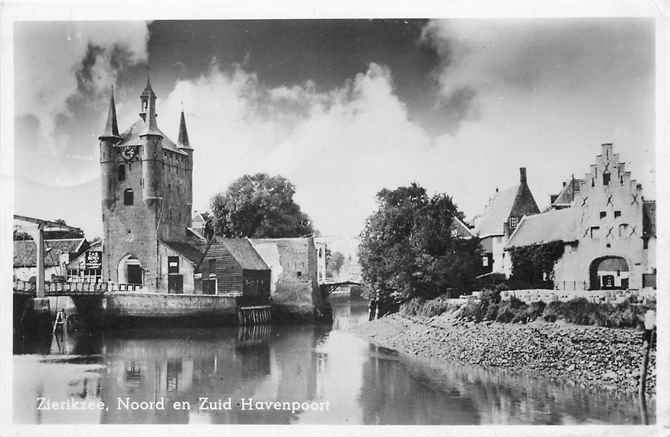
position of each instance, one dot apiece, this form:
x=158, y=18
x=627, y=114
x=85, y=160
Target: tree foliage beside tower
x=407, y=248
x=259, y=206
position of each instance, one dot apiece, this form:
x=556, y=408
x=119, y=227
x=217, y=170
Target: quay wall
x=589, y=357
x=161, y=305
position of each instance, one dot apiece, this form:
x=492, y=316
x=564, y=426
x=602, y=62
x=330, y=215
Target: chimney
x=522, y=173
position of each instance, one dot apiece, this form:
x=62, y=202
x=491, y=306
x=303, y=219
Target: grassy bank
x=627, y=314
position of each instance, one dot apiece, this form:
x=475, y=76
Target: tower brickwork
x=146, y=195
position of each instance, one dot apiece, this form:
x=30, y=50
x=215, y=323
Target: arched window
x=128, y=196
x=122, y=172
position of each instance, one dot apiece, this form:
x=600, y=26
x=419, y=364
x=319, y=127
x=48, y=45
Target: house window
x=299, y=274
x=623, y=227
x=603, y=214
x=617, y=214
x=513, y=222
x=122, y=172
x=128, y=196
x=595, y=232
x=173, y=264
x=606, y=178
x=485, y=261
x=209, y=284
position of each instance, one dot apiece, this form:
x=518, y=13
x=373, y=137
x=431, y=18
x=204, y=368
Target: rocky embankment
x=587, y=356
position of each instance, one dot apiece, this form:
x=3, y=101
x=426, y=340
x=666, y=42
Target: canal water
x=287, y=374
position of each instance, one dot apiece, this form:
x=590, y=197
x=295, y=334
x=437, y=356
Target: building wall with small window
x=221, y=273
x=176, y=271
x=293, y=262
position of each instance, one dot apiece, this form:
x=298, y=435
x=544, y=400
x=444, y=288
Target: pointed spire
x=182, y=139
x=111, y=127
x=148, y=91
x=148, y=114
x=151, y=127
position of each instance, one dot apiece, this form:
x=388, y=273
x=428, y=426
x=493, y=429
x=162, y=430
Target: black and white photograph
x=334, y=220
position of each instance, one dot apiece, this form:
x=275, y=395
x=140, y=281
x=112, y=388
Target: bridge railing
x=62, y=288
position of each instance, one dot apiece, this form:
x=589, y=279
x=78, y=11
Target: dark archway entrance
x=609, y=273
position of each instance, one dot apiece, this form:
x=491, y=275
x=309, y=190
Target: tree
x=334, y=262
x=407, y=248
x=259, y=206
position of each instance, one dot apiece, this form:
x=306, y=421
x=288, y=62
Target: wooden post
x=39, y=262
x=649, y=326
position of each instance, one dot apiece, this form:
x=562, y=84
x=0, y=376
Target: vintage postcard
x=372, y=220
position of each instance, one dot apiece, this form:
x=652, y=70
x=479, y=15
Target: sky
x=343, y=108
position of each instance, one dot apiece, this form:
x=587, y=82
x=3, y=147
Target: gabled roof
x=131, y=136
x=243, y=251
x=25, y=251
x=568, y=192
x=463, y=229
x=554, y=225
x=492, y=220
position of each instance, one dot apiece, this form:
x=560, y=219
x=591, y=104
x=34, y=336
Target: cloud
x=64, y=73
x=339, y=146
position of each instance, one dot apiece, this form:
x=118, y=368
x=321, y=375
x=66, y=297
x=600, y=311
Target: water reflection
x=362, y=383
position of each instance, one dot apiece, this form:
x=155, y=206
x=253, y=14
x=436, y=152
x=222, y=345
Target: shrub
x=577, y=310
x=512, y=310
x=553, y=311
x=491, y=312
x=473, y=311
x=418, y=306
x=535, y=310
x=411, y=307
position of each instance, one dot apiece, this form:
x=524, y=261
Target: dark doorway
x=134, y=274
x=609, y=273
x=175, y=284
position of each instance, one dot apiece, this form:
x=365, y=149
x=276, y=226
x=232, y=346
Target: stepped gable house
x=147, y=195
x=500, y=218
x=607, y=227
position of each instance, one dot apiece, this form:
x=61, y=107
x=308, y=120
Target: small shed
x=232, y=265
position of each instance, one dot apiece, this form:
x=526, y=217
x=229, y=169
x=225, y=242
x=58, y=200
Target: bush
x=491, y=312
x=535, y=310
x=418, y=306
x=512, y=310
x=578, y=311
x=553, y=311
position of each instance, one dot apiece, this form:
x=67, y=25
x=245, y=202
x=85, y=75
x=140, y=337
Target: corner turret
x=109, y=137
x=152, y=149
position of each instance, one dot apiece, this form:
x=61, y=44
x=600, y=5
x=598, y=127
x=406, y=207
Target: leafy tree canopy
x=334, y=262
x=407, y=247
x=259, y=206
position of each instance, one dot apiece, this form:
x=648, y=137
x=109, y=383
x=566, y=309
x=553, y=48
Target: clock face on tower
x=128, y=153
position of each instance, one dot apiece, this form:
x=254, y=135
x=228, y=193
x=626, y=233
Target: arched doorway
x=609, y=273
x=130, y=271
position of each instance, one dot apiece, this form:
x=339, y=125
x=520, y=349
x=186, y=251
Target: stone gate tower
x=147, y=196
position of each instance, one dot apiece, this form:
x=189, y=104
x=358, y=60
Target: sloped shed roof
x=554, y=225
x=243, y=252
x=190, y=252
x=25, y=251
